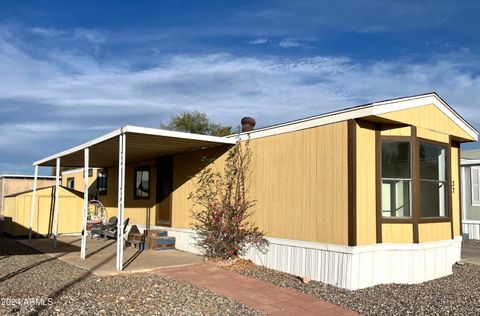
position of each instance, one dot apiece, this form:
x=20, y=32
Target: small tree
x=196, y=122
x=221, y=220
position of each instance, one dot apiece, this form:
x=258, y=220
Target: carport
x=113, y=149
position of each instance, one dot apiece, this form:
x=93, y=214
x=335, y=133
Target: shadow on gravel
x=10, y=247
x=68, y=285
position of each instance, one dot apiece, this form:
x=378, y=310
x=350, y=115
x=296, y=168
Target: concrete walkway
x=471, y=254
x=262, y=296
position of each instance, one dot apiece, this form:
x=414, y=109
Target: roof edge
x=375, y=108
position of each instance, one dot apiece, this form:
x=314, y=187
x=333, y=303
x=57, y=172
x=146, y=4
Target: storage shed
x=17, y=212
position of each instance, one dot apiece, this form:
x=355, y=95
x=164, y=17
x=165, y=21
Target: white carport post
x=121, y=197
x=32, y=208
x=85, y=202
x=55, y=209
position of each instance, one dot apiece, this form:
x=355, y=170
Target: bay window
x=414, y=176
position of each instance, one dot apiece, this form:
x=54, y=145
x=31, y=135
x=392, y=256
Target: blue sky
x=73, y=70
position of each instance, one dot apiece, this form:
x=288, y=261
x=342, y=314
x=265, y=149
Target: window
x=433, y=180
x=90, y=172
x=102, y=181
x=142, y=182
x=396, y=178
x=70, y=183
x=475, y=178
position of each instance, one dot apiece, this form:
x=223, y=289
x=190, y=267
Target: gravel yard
x=457, y=294
x=26, y=275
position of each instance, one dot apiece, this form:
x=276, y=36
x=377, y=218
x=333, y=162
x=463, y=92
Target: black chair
x=111, y=232
x=102, y=228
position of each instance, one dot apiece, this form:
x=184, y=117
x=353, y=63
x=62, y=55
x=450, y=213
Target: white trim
x=471, y=229
x=463, y=186
x=376, y=108
x=468, y=162
x=471, y=221
x=477, y=187
x=175, y=134
x=32, y=206
x=80, y=147
x=55, y=208
x=138, y=130
x=86, y=160
x=26, y=176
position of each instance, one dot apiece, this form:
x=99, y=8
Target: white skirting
x=472, y=229
x=349, y=267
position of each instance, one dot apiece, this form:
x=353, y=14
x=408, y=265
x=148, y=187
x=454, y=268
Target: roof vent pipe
x=248, y=123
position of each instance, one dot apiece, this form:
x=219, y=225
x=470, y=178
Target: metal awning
x=142, y=144
x=128, y=144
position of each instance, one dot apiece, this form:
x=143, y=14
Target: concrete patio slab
x=101, y=255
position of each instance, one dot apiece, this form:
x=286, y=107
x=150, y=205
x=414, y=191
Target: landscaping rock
x=36, y=284
x=456, y=294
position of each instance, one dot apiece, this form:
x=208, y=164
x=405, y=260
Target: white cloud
x=258, y=41
x=289, y=43
x=55, y=101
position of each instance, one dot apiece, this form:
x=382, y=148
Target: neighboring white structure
x=470, y=175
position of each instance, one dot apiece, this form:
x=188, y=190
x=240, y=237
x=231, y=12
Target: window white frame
x=475, y=184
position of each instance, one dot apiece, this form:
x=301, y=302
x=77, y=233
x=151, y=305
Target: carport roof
x=142, y=144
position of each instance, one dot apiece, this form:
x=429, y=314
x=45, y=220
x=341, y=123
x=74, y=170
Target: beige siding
x=428, y=117
x=434, y=232
x=17, y=213
x=396, y=131
x=299, y=181
x=436, y=136
x=79, y=181
x=16, y=185
x=397, y=233
x=138, y=211
x=366, y=188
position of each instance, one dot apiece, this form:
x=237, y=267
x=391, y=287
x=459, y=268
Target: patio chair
x=111, y=232
x=102, y=228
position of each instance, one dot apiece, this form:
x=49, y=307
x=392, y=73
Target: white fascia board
x=468, y=162
x=25, y=176
x=97, y=140
x=139, y=130
x=325, y=119
x=175, y=134
x=412, y=102
x=377, y=108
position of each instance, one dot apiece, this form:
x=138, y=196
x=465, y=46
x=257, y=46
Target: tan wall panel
x=428, y=117
x=398, y=131
x=366, y=188
x=434, y=231
x=397, y=233
x=299, y=180
x=429, y=134
x=79, y=181
x=139, y=211
x=456, y=213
